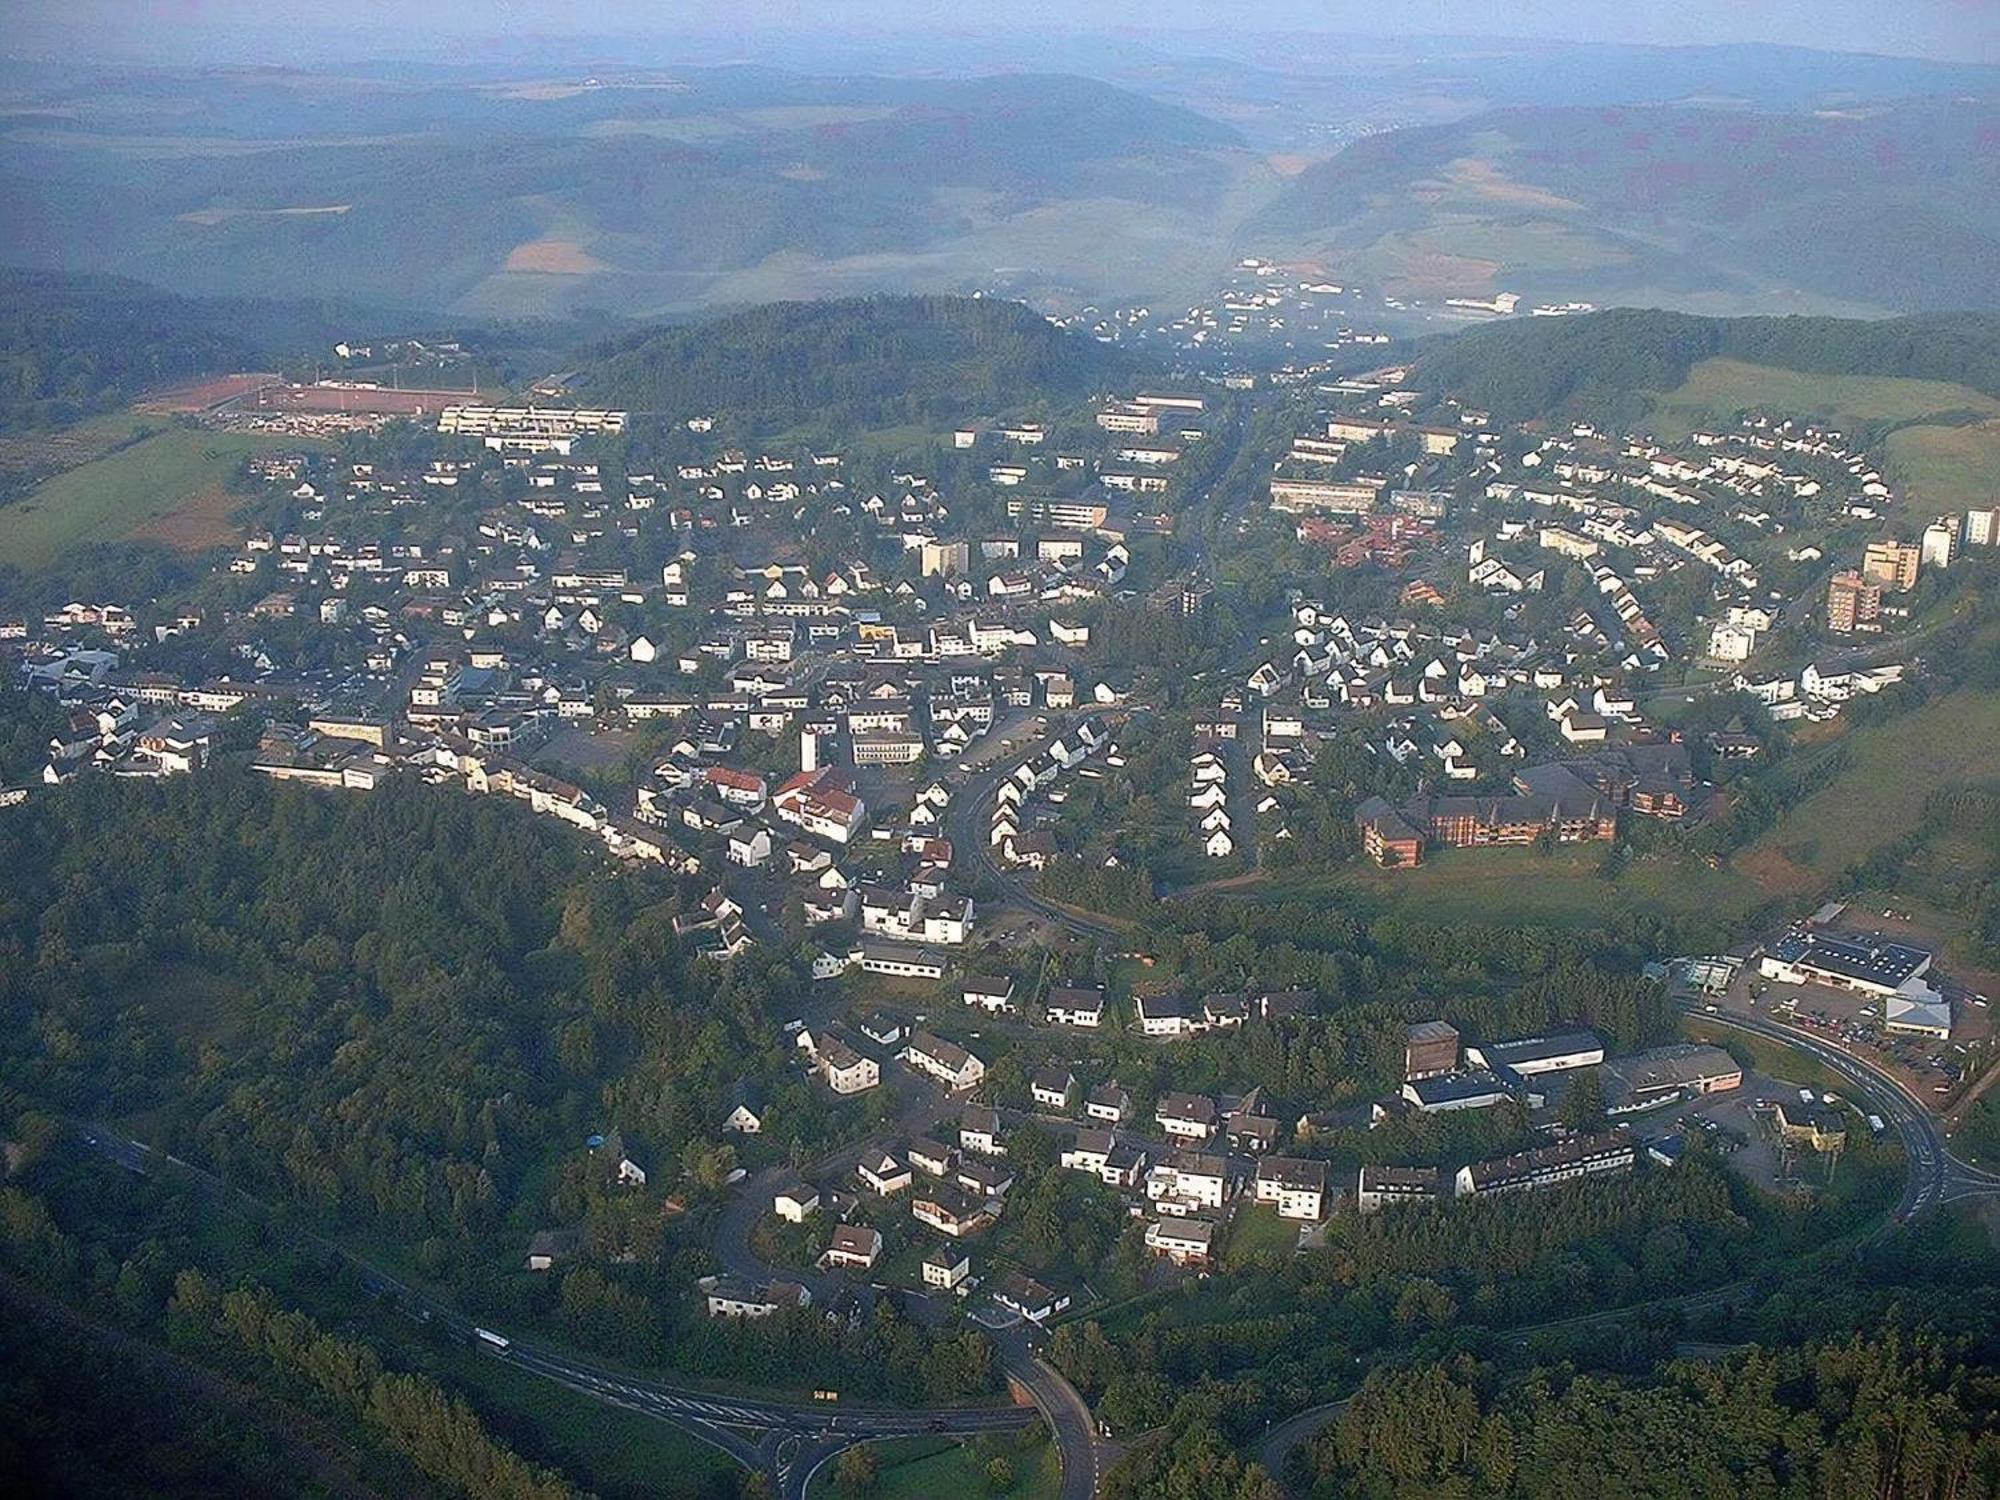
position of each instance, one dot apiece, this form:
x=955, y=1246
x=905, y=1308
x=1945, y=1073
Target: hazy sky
x=1960, y=30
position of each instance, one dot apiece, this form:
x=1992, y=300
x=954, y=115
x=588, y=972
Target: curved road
x=789, y=1431
x=1936, y=1176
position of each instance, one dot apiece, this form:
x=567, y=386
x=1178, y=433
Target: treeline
x=71, y=345
x=864, y=362
x=1874, y=1414
x=1605, y=367
x=409, y=1414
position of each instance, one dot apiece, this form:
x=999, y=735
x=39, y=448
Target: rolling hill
x=1926, y=388
x=634, y=192
x=1885, y=209
x=871, y=362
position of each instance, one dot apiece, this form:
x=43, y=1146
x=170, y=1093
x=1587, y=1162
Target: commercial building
x=1528, y=1056
x=1867, y=962
x=1681, y=1068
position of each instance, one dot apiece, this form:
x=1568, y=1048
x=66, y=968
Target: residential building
x=1585, y=1156
x=1184, y=1242
x=1377, y=1188
x=1296, y=1185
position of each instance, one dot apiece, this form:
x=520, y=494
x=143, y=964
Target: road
x=786, y=1434
x=1936, y=1176
x=969, y=817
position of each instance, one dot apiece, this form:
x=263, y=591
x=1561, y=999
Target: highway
x=789, y=1436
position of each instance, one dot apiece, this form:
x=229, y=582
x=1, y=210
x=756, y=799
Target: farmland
x=168, y=487
x=1716, y=389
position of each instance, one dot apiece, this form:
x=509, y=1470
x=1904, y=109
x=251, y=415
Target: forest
x=1604, y=367
x=74, y=345
x=862, y=362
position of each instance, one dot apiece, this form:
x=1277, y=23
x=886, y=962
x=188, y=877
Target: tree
x=999, y=1476
x=857, y=1472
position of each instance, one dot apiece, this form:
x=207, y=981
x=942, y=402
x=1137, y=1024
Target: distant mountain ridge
x=1894, y=208
x=636, y=193
x=1606, y=366
x=873, y=361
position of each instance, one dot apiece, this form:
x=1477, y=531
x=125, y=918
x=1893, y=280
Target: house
x=549, y=1248
x=1109, y=1103
x=1163, y=1016
x=1296, y=1185
x=884, y=1172
x=1187, y=1117
x=1028, y=1298
x=746, y=1112
x=750, y=845
x=1184, y=1242
x=1075, y=1007
x=1053, y=1088
x=794, y=1201
x=1188, y=1181
x=855, y=1246
x=945, y=1061
x=979, y=1130
x=902, y=962
x=990, y=993
x=946, y=1268
x=950, y=1212
x=932, y=1157
x=734, y=1297
x=985, y=1179
x=847, y=1071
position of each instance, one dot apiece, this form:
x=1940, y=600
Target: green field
x=169, y=487
x=1561, y=889
x=1257, y=1233
x=929, y=1467
x=1880, y=796
x=1716, y=389
x=1947, y=468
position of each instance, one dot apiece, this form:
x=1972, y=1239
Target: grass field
x=1562, y=889
x=1257, y=1233
x=928, y=1467
x=1716, y=389
x=1894, y=766
x=1947, y=468
x=169, y=487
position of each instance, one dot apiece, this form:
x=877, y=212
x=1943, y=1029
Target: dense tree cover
x=410, y=1414
x=95, y=1416
x=866, y=362
x=1881, y=1413
x=1605, y=367
x=71, y=345
x=1729, y=203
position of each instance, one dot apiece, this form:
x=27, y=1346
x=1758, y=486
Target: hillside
x=1614, y=366
x=869, y=362
x=641, y=192
x=1889, y=209
x=71, y=346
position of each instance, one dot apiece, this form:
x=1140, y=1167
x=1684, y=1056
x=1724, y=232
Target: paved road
x=1936, y=1176
x=970, y=816
x=785, y=1431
